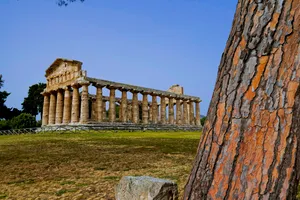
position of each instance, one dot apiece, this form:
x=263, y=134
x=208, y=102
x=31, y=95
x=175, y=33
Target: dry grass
x=89, y=165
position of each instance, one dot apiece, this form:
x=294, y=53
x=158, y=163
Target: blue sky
x=150, y=43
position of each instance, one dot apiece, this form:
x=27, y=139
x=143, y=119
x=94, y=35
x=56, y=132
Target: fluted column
x=178, y=111
x=59, y=106
x=67, y=106
x=145, y=108
x=154, y=109
x=135, y=107
x=198, y=119
x=124, y=106
x=162, y=109
x=99, y=103
x=75, y=104
x=171, y=110
x=52, y=107
x=192, y=117
x=185, y=112
x=84, y=112
x=112, y=105
x=46, y=102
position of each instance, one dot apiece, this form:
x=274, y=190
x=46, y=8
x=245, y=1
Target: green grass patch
x=91, y=163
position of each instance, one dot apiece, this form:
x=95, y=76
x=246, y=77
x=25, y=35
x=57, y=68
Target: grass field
x=89, y=165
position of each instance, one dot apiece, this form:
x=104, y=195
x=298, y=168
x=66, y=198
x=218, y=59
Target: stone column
x=93, y=110
x=67, y=106
x=124, y=106
x=75, y=104
x=171, y=110
x=135, y=107
x=129, y=112
x=112, y=104
x=104, y=116
x=198, y=120
x=158, y=111
x=185, y=112
x=150, y=112
x=119, y=111
x=178, y=111
x=84, y=112
x=192, y=117
x=52, y=107
x=45, y=108
x=163, y=109
x=145, y=108
x=99, y=103
x=154, y=109
x=59, y=106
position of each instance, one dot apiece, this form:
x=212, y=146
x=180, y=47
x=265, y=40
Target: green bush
x=24, y=120
x=39, y=123
x=4, y=125
x=203, y=119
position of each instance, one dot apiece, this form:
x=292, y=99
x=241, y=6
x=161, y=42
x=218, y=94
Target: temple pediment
x=62, y=72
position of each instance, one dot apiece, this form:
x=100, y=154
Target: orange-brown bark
x=250, y=143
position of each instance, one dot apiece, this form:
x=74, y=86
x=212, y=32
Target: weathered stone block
x=146, y=188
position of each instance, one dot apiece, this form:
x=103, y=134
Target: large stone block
x=146, y=188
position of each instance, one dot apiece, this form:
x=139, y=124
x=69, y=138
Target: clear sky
x=150, y=43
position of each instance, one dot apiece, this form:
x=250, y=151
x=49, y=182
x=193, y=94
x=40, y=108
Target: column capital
x=98, y=85
x=154, y=94
x=53, y=91
x=66, y=88
x=75, y=85
x=145, y=93
x=111, y=87
x=179, y=98
x=45, y=93
x=60, y=89
x=133, y=90
x=162, y=95
x=84, y=82
x=123, y=89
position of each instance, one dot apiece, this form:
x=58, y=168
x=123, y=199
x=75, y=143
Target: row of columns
x=60, y=107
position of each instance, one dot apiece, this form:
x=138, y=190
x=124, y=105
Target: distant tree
x=4, y=125
x=203, y=119
x=5, y=112
x=24, y=120
x=33, y=103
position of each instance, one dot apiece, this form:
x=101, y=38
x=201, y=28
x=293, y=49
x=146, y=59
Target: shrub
x=39, y=123
x=203, y=119
x=24, y=120
x=4, y=125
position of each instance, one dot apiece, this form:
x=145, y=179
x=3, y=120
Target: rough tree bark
x=250, y=143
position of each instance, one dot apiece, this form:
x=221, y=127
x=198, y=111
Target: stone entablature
x=65, y=104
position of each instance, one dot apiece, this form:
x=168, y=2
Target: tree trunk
x=250, y=143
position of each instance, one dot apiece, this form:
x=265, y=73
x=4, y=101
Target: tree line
x=32, y=105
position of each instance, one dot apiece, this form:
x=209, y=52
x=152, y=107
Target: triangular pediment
x=63, y=72
x=61, y=65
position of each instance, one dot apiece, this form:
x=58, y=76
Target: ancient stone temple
x=67, y=101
